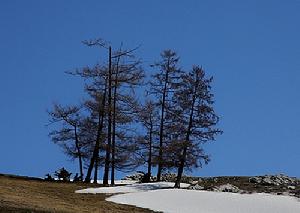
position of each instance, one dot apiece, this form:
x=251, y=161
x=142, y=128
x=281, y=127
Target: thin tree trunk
x=96, y=159
x=108, y=148
x=113, y=147
x=96, y=169
x=150, y=152
x=161, y=130
x=79, y=153
x=99, y=132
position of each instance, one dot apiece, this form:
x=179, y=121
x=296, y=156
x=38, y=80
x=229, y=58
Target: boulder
x=227, y=188
x=291, y=187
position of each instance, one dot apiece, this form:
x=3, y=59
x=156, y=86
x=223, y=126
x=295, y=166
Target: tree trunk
x=180, y=168
x=99, y=132
x=113, y=146
x=161, y=130
x=96, y=169
x=108, y=148
x=150, y=152
x=79, y=153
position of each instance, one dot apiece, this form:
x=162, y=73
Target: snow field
x=192, y=201
x=160, y=197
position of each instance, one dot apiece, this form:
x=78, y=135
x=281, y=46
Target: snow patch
x=190, y=201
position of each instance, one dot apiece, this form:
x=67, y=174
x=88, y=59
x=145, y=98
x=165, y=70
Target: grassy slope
x=22, y=194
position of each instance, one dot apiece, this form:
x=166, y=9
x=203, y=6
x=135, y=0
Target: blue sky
x=252, y=49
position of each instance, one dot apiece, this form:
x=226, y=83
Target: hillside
x=23, y=194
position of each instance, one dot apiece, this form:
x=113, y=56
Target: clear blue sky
x=251, y=47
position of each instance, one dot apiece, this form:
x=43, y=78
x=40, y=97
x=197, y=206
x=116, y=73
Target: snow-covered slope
x=160, y=197
x=190, y=201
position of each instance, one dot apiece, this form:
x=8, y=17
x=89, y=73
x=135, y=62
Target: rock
x=138, y=176
x=269, y=181
x=196, y=187
x=195, y=182
x=292, y=187
x=153, y=179
x=227, y=188
x=166, y=177
x=169, y=177
x=275, y=180
x=255, y=180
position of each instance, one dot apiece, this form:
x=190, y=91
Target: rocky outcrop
x=139, y=176
x=221, y=188
x=276, y=180
x=166, y=177
x=227, y=188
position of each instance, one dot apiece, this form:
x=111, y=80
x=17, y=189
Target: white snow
x=136, y=187
x=193, y=201
x=161, y=197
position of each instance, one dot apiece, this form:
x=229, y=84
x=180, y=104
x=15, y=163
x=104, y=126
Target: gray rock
x=135, y=177
x=292, y=187
x=275, y=180
x=194, y=182
x=269, y=181
x=196, y=187
x=227, y=188
x=255, y=180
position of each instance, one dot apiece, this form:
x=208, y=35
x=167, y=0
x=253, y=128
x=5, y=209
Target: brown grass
x=19, y=194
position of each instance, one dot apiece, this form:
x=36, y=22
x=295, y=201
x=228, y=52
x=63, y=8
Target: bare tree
x=196, y=117
x=96, y=88
x=103, y=132
x=149, y=117
x=120, y=76
x=99, y=108
x=161, y=87
x=127, y=74
x=67, y=135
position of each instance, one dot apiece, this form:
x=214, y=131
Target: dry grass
x=19, y=194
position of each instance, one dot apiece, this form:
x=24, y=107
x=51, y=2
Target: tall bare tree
x=127, y=74
x=161, y=86
x=195, y=115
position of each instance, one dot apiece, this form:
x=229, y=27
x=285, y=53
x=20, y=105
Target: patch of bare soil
x=22, y=194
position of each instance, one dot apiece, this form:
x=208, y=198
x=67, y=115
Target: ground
x=21, y=194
